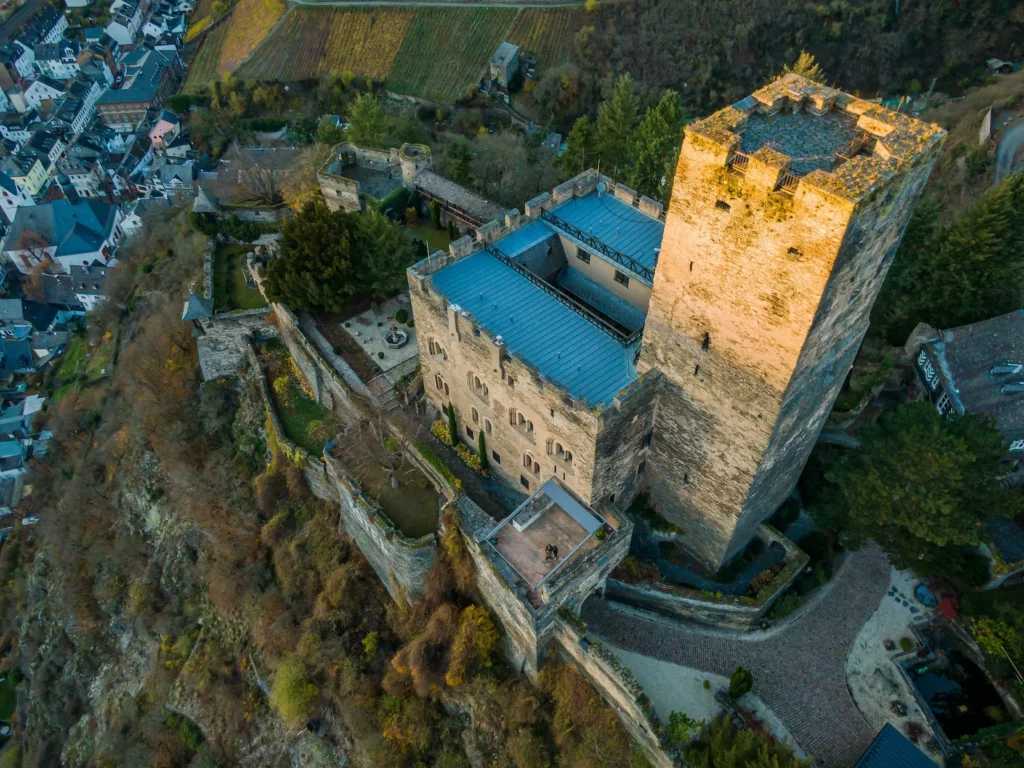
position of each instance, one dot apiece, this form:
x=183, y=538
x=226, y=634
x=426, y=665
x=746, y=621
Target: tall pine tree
x=579, y=148
x=616, y=119
x=654, y=146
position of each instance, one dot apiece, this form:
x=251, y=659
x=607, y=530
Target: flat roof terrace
x=551, y=517
x=810, y=140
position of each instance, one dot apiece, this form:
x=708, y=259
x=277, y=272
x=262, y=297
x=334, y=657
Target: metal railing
x=564, y=298
x=644, y=273
x=789, y=183
x=738, y=162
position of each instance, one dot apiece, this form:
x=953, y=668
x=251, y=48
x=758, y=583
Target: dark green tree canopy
x=616, y=119
x=950, y=276
x=329, y=257
x=920, y=485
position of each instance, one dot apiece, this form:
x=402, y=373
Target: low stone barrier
x=714, y=609
x=399, y=561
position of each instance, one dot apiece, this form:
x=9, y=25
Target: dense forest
x=714, y=52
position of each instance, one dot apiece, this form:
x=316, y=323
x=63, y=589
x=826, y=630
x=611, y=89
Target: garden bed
x=305, y=422
x=330, y=326
x=231, y=290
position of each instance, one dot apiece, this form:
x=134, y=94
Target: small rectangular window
x=469, y=431
x=496, y=457
x=640, y=469
x=511, y=383
x=722, y=205
x=621, y=278
x=582, y=255
x=524, y=482
x=646, y=441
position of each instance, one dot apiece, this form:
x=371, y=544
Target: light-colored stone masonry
x=761, y=299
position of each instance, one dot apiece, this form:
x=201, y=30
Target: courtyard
x=233, y=288
x=368, y=330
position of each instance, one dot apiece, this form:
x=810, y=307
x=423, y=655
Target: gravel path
x=799, y=672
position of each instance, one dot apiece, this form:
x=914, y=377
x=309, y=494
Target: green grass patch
x=437, y=239
x=230, y=289
x=73, y=362
x=9, y=695
x=100, y=361
x=305, y=422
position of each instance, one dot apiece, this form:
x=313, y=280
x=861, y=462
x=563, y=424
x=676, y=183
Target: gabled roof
x=7, y=183
x=73, y=228
x=168, y=117
x=11, y=310
x=205, y=202
x=505, y=53
x=891, y=749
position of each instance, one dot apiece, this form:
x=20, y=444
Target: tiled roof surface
x=566, y=348
x=616, y=224
x=891, y=749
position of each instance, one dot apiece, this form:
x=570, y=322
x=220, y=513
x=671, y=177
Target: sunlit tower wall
x=786, y=212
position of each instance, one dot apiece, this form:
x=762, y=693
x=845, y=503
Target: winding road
x=1010, y=144
x=799, y=671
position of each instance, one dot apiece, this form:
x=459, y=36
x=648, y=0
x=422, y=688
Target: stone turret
x=413, y=159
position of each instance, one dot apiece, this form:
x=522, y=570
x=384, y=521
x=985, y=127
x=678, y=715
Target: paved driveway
x=799, y=671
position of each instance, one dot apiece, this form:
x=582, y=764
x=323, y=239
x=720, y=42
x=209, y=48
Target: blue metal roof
x=565, y=347
x=524, y=238
x=891, y=749
x=616, y=224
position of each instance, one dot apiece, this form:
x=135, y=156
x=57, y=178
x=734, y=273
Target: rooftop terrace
x=810, y=140
x=552, y=516
x=833, y=141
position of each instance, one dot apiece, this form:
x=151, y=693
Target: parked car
x=29, y=520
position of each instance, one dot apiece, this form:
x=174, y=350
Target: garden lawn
x=299, y=414
x=230, y=290
x=74, y=359
x=437, y=239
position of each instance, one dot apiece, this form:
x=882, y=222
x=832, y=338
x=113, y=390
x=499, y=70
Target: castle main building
x=695, y=354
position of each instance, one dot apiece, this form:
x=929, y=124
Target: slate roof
x=205, y=202
x=168, y=117
x=145, y=69
x=74, y=228
x=1007, y=537
x=563, y=346
x=197, y=307
x=891, y=749
x=504, y=55
x=616, y=224
x=11, y=310
x=40, y=315
x=965, y=358
x=17, y=355
x=481, y=209
x=6, y=182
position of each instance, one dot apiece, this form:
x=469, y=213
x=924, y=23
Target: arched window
x=531, y=463
x=487, y=426
x=476, y=415
x=438, y=382
x=436, y=350
x=478, y=386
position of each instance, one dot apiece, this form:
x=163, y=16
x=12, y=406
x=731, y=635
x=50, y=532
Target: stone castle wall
x=618, y=687
x=759, y=305
x=399, y=562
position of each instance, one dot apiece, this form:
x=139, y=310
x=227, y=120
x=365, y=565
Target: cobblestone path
x=799, y=672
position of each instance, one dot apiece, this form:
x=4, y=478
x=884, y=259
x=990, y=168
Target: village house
x=80, y=291
x=13, y=196
x=977, y=369
x=28, y=171
x=19, y=127
x=58, y=60
x=125, y=21
x=69, y=234
x=100, y=59
x=48, y=26
x=165, y=130
x=45, y=90
x=150, y=78
x=17, y=64
x=504, y=64
x=77, y=109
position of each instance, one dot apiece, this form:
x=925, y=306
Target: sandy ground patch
x=871, y=673
x=673, y=688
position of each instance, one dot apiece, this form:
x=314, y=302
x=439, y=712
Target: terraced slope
x=433, y=53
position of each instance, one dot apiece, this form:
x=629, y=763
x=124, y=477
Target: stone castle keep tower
x=786, y=212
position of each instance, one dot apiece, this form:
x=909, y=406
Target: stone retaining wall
x=717, y=611
x=617, y=685
x=259, y=215
x=399, y=562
